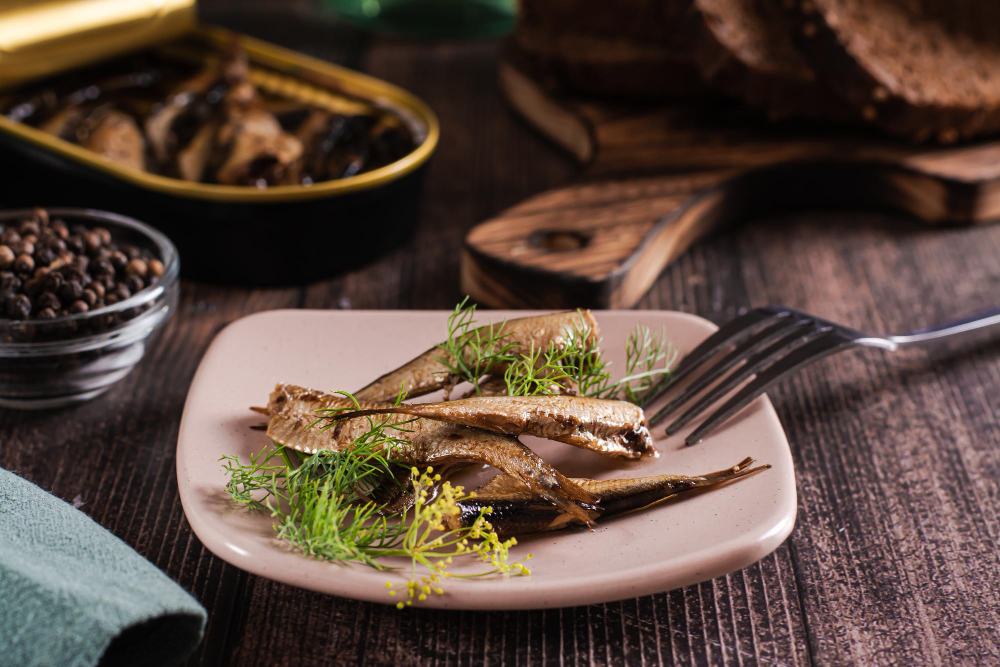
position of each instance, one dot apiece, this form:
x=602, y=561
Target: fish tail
x=620, y=496
x=741, y=469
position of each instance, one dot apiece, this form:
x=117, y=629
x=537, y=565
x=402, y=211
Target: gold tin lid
x=42, y=37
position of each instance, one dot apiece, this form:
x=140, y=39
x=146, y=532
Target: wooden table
x=895, y=555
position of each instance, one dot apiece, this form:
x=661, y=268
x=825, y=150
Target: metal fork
x=768, y=344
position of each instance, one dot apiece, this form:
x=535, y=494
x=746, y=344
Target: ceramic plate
x=681, y=542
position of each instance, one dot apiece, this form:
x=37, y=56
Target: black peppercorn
x=46, y=314
x=137, y=267
x=156, y=267
x=111, y=299
x=78, y=307
x=45, y=256
x=52, y=281
x=9, y=282
x=75, y=243
x=57, y=245
x=49, y=300
x=101, y=268
x=70, y=290
x=132, y=252
x=122, y=291
x=19, y=307
x=10, y=236
x=24, y=263
x=89, y=297
x=135, y=284
x=7, y=256
x=119, y=260
x=92, y=240
x=74, y=271
x=97, y=288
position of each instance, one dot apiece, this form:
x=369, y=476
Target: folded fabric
x=72, y=594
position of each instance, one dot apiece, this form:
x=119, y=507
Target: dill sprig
x=539, y=373
x=471, y=351
x=322, y=507
x=579, y=366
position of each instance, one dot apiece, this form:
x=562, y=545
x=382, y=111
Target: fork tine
x=739, y=353
x=827, y=344
x=800, y=335
x=730, y=332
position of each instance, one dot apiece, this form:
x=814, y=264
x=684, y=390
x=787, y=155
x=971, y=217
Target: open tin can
x=281, y=233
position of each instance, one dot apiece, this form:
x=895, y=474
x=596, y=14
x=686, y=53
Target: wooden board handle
x=592, y=245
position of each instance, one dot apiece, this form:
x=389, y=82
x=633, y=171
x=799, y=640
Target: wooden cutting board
x=657, y=178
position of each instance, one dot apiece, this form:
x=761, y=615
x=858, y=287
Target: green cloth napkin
x=72, y=594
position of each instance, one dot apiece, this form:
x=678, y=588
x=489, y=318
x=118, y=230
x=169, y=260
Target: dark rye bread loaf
x=916, y=68
x=586, y=63
x=744, y=50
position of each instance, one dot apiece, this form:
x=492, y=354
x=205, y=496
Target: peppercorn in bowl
x=81, y=294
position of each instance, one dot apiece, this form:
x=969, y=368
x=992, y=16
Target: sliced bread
x=916, y=68
x=744, y=50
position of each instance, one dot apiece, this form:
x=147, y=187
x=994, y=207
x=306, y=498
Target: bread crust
x=922, y=70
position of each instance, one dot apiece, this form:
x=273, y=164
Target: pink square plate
x=674, y=544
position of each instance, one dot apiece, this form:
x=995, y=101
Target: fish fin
x=263, y=411
x=292, y=431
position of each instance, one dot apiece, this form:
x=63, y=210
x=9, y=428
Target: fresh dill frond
x=470, y=351
x=586, y=362
x=538, y=373
x=648, y=359
x=578, y=366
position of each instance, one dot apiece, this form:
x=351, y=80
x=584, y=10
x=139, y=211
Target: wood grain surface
x=894, y=559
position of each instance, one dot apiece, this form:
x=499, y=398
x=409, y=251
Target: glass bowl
x=69, y=359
